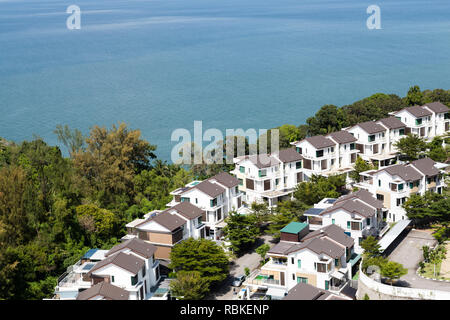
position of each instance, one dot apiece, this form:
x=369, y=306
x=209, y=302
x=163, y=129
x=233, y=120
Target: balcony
x=261, y=279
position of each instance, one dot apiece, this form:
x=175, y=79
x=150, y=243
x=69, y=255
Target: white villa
x=394, y=184
x=216, y=197
x=268, y=177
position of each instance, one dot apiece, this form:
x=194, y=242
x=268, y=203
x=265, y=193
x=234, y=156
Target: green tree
x=97, y=221
x=411, y=146
x=360, y=166
x=317, y=188
x=262, y=251
x=436, y=256
x=72, y=140
x=371, y=246
x=201, y=255
x=414, y=96
x=393, y=270
x=189, y=285
x=241, y=231
x=285, y=212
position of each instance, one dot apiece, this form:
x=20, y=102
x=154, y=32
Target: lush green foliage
x=360, y=166
x=241, y=231
x=319, y=187
x=411, y=146
x=203, y=256
x=189, y=285
x=371, y=247
x=431, y=207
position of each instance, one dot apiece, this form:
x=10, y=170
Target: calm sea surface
x=159, y=65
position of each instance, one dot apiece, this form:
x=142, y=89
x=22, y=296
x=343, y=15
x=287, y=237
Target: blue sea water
x=159, y=65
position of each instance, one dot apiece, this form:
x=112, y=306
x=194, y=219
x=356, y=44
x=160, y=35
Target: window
x=185, y=199
x=352, y=146
x=299, y=150
x=372, y=138
x=213, y=202
x=241, y=182
x=293, y=276
x=292, y=260
x=418, y=122
x=134, y=280
x=319, y=153
x=262, y=173
x=112, y=279
x=401, y=132
x=379, y=183
x=320, y=267
x=302, y=280
x=332, y=221
x=143, y=271
x=336, y=262
x=368, y=221
x=348, y=224
x=242, y=169
x=299, y=263
x=400, y=187
x=298, y=165
x=196, y=200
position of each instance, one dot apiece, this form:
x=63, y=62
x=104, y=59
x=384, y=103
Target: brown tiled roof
x=334, y=232
x=263, y=160
x=320, y=142
x=353, y=206
x=108, y=291
x=211, y=189
x=437, y=107
x=417, y=111
x=289, y=155
x=226, y=179
x=392, y=123
x=342, y=137
x=363, y=195
x=319, y=245
x=125, y=261
x=405, y=172
x=136, y=245
x=305, y=291
x=370, y=127
x=281, y=247
x=187, y=210
x=166, y=219
x=426, y=166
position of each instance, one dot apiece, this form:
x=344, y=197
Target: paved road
x=409, y=253
x=250, y=260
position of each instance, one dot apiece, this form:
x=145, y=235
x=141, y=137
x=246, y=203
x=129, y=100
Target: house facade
x=216, y=197
x=394, y=184
x=268, y=178
x=164, y=229
x=322, y=258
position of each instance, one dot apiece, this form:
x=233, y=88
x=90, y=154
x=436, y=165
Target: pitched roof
x=417, y=111
x=320, y=142
x=333, y=232
x=364, y=196
x=136, y=245
x=281, y=247
x=370, y=127
x=108, y=291
x=125, y=261
x=407, y=173
x=187, y=210
x=305, y=291
x=262, y=160
x=426, y=166
x=211, y=189
x=289, y=155
x=437, y=107
x=226, y=179
x=319, y=245
x=165, y=219
x=392, y=123
x=342, y=136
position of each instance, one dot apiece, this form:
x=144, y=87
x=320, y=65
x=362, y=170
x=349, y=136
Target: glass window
x=242, y=169
x=134, y=280
x=299, y=263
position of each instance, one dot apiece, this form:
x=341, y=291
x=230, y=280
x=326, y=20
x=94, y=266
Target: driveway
x=250, y=260
x=408, y=252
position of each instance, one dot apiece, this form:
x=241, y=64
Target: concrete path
x=409, y=253
x=250, y=260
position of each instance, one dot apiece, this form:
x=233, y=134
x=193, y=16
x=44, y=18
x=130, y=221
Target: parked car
x=237, y=281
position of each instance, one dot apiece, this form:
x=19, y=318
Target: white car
x=237, y=281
